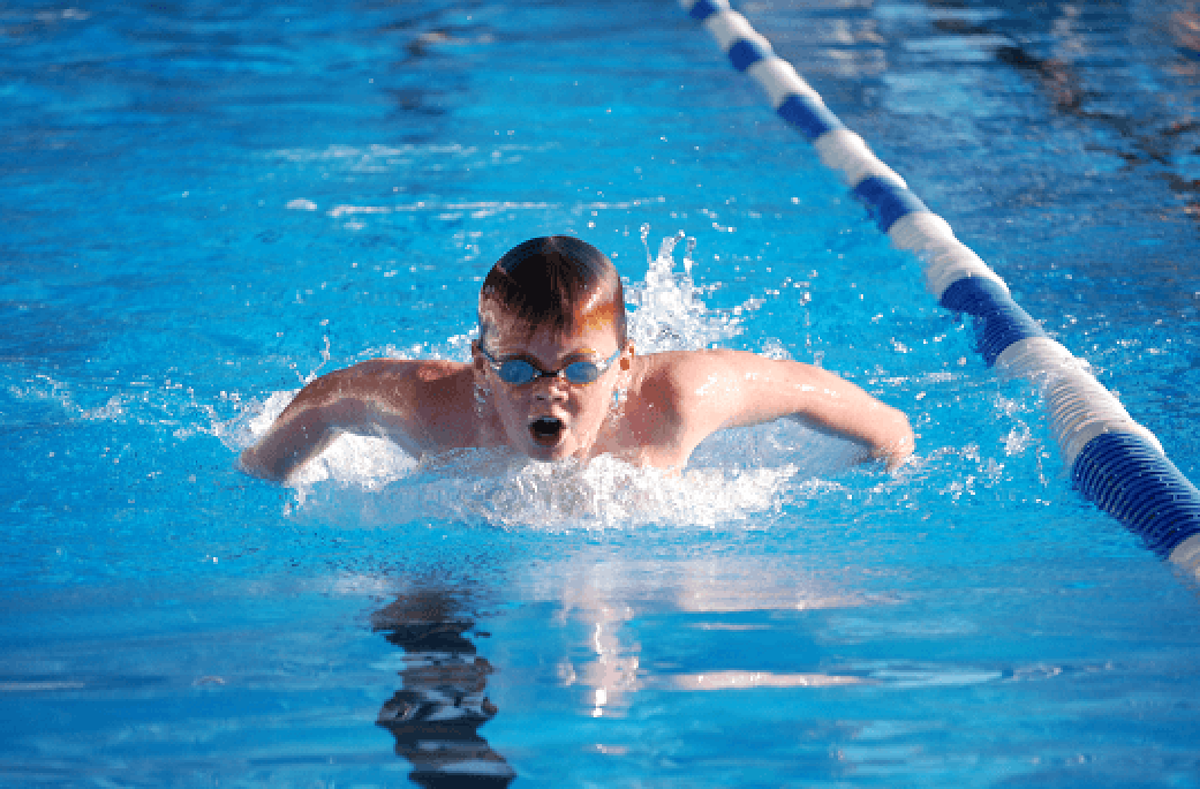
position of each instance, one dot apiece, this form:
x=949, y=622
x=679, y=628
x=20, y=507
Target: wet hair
x=556, y=282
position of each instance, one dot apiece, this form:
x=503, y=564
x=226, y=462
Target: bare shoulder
x=690, y=394
x=679, y=367
x=677, y=398
x=682, y=376
x=683, y=386
x=417, y=404
x=389, y=393
x=415, y=369
x=423, y=404
x=718, y=388
x=390, y=378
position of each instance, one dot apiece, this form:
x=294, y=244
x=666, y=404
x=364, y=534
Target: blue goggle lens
x=516, y=372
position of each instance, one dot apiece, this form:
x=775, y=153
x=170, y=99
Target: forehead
x=514, y=335
x=592, y=312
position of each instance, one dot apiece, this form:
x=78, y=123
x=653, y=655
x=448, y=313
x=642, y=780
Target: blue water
x=203, y=205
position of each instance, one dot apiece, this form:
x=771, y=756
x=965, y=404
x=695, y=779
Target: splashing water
x=668, y=313
x=733, y=477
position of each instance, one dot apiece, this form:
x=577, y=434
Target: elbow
x=300, y=434
x=251, y=462
x=897, y=445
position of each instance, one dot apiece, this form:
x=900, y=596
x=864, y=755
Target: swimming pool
x=205, y=204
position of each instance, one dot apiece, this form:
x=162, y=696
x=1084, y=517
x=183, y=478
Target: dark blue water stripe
x=999, y=321
x=812, y=118
x=1128, y=478
x=886, y=201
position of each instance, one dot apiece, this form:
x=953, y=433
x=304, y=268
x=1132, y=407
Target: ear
x=477, y=360
x=627, y=357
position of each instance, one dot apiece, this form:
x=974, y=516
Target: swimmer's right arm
x=365, y=399
x=309, y=424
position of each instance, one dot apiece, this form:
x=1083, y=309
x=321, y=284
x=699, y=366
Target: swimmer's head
x=553, y=282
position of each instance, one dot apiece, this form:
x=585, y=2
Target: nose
x=551, y=387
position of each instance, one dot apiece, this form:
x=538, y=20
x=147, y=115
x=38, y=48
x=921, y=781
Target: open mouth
x=546, y=430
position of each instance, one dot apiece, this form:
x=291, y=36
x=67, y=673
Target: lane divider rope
x=1115, y=462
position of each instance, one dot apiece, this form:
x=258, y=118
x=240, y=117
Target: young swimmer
x=553, y=376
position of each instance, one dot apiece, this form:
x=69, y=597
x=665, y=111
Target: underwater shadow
x=436, y=715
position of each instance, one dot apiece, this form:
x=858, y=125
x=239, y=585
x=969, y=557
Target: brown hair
x=556, y=282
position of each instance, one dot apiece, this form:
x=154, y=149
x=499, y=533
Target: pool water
x=204, y=205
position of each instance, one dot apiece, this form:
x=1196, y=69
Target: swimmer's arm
x=748, y=389
x=345, y=401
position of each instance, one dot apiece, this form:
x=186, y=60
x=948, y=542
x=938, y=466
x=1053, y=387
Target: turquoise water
x=202, y=206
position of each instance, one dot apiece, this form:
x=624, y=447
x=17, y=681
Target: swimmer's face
x=551, y=419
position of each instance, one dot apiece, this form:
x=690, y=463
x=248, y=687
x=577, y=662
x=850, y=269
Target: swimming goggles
x=518, y=372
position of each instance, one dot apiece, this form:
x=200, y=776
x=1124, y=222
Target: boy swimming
x=553, y=376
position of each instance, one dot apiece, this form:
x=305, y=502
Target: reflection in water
x=618, y=601
x=1160, y=137
x=1185, y=30
x=435, y=717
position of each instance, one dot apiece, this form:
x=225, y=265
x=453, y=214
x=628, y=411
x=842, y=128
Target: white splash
x=605, y=494
x=668, y=313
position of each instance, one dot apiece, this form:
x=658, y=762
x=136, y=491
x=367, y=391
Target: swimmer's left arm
x=746, y=389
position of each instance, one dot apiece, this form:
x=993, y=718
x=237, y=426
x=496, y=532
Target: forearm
x=288, y=445
x=882, y=431
x=888, y=435
x=370, y=398
x=309, y=424
x=835, y=406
